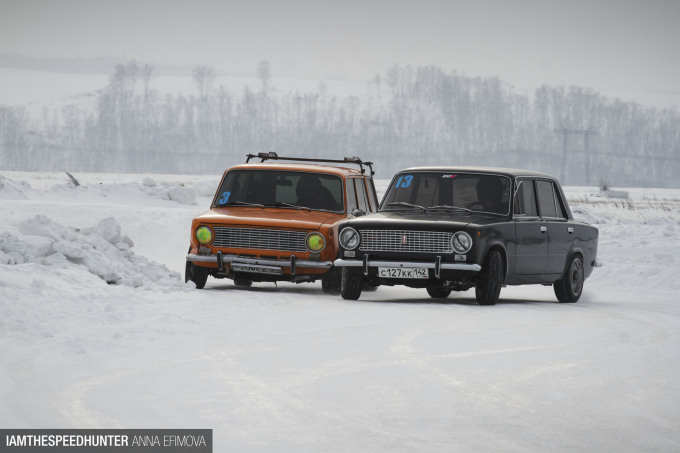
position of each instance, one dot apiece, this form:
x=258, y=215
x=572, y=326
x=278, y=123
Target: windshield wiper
x=242, y=203
x=281, y=204
x=406, y=205
x=446, y=207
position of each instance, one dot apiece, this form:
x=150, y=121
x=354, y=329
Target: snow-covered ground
x=287, y=368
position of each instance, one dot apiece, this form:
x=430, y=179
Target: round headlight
x=349, y=239
x=204, y=235
x=315, y=242
x=461, y=242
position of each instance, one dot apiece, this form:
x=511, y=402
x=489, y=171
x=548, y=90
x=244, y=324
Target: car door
x=560, y=232
x=530, y=231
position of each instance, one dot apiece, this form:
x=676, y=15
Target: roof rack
x=347, y=160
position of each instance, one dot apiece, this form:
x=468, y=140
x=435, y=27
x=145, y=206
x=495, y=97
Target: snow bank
x=103, y=250
x=13, y=190
x=179, y=192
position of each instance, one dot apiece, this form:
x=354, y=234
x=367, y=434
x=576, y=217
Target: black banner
x=107, y=440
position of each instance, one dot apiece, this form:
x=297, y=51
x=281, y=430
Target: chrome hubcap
x=576, y=274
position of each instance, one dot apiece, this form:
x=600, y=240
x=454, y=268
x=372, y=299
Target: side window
x=525, y=199
x=546, y=199
x=351, y=195
x=372, y=196
x=362, y=200
x=558, y=204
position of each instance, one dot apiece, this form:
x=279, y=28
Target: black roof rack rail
x=347, y=160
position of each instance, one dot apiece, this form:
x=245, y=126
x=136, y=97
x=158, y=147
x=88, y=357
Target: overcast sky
x=608, y=45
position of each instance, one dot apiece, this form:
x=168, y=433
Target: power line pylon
x=586, y=133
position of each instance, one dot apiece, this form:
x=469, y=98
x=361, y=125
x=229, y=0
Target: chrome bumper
x=437, y=265
x=293, y=262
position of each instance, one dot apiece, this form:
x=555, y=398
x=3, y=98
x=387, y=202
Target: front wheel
x=197, y=274
x=351, y=283
x=330, y=282
x=569, y=287
x=490, y=280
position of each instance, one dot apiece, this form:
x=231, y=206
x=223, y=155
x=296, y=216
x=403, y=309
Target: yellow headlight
x=204, y=235
x=315, y=242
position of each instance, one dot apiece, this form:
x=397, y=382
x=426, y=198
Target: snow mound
x=173, y=191
x=13, y=190
x=103, y=250
x=148, y=187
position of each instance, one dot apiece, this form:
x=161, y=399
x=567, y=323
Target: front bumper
x=291, y=263
x=437, y=265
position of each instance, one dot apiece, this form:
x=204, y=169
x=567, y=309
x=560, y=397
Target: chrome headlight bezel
x=312, y=235
x=204, y=240
x=349, y=238
x=461, y=242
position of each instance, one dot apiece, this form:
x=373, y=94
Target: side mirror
x=356, y=212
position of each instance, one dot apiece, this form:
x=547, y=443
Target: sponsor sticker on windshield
x=448, y=176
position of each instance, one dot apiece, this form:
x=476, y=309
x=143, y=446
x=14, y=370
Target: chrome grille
x=405, y=241
x=260, y=239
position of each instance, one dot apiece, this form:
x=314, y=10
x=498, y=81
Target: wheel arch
x=504, y=256
x=573, y=251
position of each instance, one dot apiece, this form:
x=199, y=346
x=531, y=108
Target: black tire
x=330, y=281
x=243, y=282
x=438, y=293
x=490, y=279
x=351, y=284
x=197, y=274
x=569, y=287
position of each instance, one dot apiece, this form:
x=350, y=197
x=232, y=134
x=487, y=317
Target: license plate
x=257, y=269
x=402, y=272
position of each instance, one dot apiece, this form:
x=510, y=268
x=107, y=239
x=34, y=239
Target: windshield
x=427, y=191
x=286, y=189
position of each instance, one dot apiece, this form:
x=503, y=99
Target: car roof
x=331, y=169
x=511, y=172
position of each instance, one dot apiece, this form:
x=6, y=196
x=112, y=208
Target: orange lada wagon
x=273, y=221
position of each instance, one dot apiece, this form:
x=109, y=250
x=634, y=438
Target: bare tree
x=264, y=72
x=146, y=73
x=204, y=77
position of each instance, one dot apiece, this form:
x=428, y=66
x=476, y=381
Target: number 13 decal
x=404, y=181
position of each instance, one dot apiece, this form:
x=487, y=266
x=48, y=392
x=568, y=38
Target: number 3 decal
x=225, y=197
x=404, y=181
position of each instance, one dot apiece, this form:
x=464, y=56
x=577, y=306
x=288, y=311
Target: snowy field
x=288, y=369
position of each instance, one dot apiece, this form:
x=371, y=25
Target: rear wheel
x=438, y=293
x=351, y=283
x=490, y=280
x=570, y=286
x=243, y=282
x=197, y=274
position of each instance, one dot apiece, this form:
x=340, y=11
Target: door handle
x=544, y=229
x=570, y=230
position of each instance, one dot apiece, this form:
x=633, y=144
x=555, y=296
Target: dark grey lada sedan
x=454, y=228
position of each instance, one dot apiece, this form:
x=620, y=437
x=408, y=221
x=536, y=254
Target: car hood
x=420, y=220
x=269, y=217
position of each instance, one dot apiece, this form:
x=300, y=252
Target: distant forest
x=408, y=116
